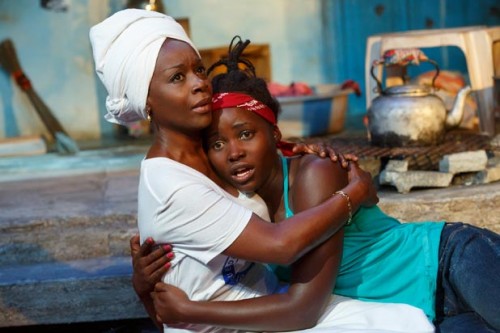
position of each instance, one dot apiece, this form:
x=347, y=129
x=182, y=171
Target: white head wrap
x=125, y=48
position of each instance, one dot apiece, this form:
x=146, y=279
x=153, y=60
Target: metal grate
x=420, y=158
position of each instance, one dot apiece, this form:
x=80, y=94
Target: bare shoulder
x=314, y=179
x=318, y=168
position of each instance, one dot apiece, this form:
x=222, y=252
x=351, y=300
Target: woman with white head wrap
x=150, y=68
x=125, y=49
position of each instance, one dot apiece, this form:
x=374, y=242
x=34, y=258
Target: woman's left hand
x=323, y=149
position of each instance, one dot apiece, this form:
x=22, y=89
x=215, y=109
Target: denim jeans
x=468, y=284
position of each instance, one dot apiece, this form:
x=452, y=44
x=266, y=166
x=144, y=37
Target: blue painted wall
x=348, y=24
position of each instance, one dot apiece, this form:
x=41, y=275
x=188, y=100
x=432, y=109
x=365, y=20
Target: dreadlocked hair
x=240, y=76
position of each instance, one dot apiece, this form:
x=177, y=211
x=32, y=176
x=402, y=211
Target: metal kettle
x=412, y=115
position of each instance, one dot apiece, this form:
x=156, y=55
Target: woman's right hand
x=364, y=180
x=150, y=262
x=168, y=300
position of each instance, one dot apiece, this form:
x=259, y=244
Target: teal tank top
x=383, y=259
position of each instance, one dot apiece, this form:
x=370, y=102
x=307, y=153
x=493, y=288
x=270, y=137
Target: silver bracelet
x=343, y=194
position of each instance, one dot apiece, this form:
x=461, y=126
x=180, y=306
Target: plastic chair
x=475, y=42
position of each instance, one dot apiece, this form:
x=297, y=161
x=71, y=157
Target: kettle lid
x=409, y=90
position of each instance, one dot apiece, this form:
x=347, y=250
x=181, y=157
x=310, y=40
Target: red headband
x=244, y=101
x=247, y=102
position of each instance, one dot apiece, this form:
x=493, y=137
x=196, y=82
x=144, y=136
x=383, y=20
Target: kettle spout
x=456, y=114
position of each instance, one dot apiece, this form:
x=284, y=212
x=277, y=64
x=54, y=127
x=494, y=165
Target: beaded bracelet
x=342, y=193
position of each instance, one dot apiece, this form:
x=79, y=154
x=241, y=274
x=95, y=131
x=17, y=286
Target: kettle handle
x=379, y=88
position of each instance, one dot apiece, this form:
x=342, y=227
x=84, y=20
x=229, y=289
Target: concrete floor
x=103, y=182
x=75, y=214
x=118, y=326
x=97, y=160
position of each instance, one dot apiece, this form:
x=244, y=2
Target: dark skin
x=154, y=260
x=151, y=262
x=251, y=141
x=179, y=104
x=179, y=100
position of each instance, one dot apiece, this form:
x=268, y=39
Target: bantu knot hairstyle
x=240, y=76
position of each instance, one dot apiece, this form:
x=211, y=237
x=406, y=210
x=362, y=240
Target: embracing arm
x=312, y=280
x=286, y=242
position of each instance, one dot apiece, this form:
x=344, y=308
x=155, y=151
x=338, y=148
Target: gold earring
x=148, y=112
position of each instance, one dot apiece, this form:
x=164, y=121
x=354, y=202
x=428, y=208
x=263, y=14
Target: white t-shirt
x=180, y=206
